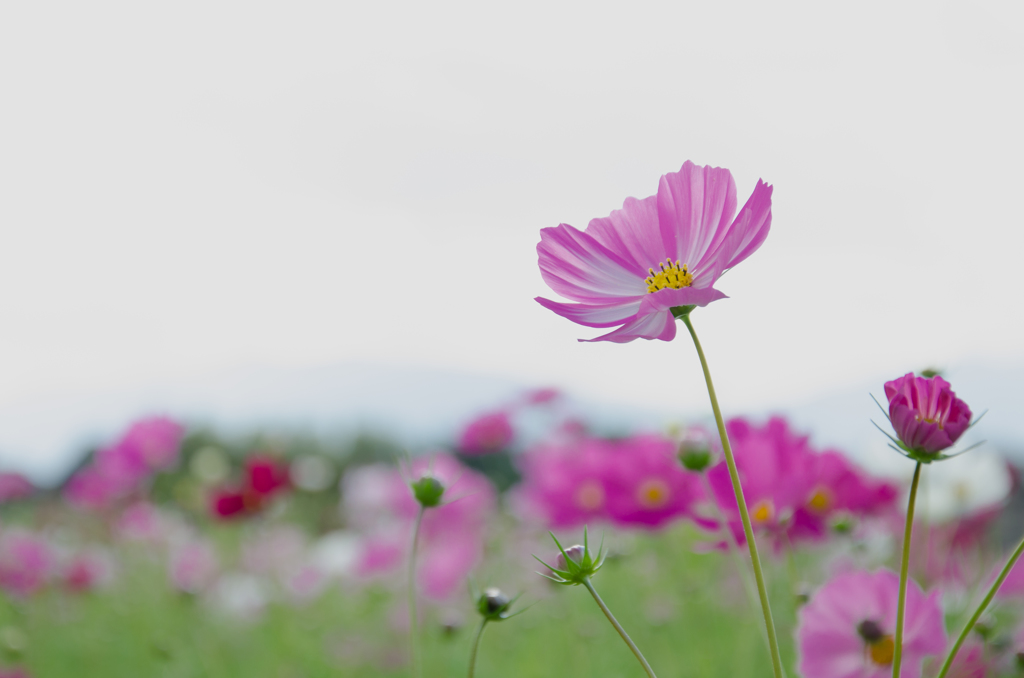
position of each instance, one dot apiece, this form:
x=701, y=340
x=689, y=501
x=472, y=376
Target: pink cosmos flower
x=565, y=485
x=925, y=412
x=970, y=662
x=633, y=482
x=156, y=441
x=26, y=562
x=630, y=269
x=491, y=432
x=792, y=490
x=120, y=469
x=647, y=487
x=14, y=486
x=264, y=478
x=846, y=629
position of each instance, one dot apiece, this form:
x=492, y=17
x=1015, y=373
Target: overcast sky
x=192, y=186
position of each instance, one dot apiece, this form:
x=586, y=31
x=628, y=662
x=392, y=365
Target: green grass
x=687, y=612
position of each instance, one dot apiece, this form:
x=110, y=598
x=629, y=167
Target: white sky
x=191, y=186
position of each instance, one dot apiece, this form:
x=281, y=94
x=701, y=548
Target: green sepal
x=680, y=312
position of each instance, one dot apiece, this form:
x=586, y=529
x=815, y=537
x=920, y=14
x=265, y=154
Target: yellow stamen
x=670, y=275
x=820, y=501
x=881, y=651
x=764, y=511
x=652, y=494
x=590, y=496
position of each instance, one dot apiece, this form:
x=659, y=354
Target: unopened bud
x=695, y=451
x=493, y=604
x=428, y=491
x=575, y=554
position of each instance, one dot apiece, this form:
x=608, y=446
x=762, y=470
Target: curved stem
x=414, y=637
x=897, y=657
x=981, y=608
x=748, y=530
x=476, y=644
x=618, y=627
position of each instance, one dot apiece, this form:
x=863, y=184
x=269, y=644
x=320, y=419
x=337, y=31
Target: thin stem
x=748, y=530
x=414, y=637
x=476, y=644
x=981, y=608
x=897, y=656
x=618, y=627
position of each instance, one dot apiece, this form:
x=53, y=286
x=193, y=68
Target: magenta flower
x=14, y=486
x=490, y=432
x=846, y=629
x=792, y=490
x=925, y=412
x=565, y=485
x=632, y=268
x=647, y=486
x=26, y=562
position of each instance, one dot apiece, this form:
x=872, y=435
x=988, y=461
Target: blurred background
x=304, y=233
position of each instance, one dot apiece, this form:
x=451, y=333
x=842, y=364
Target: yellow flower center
x=763, y=511
x=590, y=495
x=652, y=494
x=881, y=651
x=820, y=501
x=670, y=275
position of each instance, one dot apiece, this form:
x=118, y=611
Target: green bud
x=493, y=605
x=428, y=491
x=574, y=564
x=930, y=372
x=695, y=460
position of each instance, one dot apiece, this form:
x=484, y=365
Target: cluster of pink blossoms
x=380, y=506
x=632, y=482
x=29, y=562
x=793, y=492
x=117, y=471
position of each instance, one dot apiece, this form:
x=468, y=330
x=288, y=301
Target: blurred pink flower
x=156, y=441
x=565, y=485
x=542, y=396
x=14, y=486
x=846, y=629
x=193, y=566
x=491, y=432
x=925, y=412
x=86, y=571
x=14, y=672
x=26, y=562
x=264, y=478
x=647, y=486
x=792, y=490
x=141, y=521
x=632, y=267
x=120, y=469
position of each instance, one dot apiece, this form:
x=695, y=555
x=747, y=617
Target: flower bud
x=870, y=631
x=926, y=415
x=695, y=450
x=493, y=605
x=575, y=554
x=428, y=491
x=575, y=564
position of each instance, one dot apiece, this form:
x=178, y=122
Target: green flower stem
x=476, y=644
x=748, y=530
x=414, y=636
x=618, y=627
x=897, y=657
x=981, y=608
